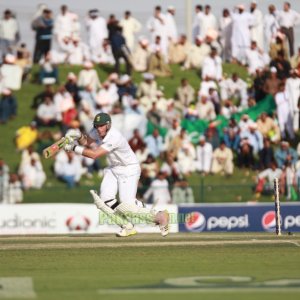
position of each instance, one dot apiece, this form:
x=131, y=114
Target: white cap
x=202, y=138
x=170, y=101
x=199, y=38
x=75, y=38
x=253, y=125
x=88, y=64
x=144, y=42
x=159, y=93
x=124, y=78
x=241, y=6
x=10, y=58
x=273, y=70
x=71, y=75
x=113, y=76
x=49, y=80
x=171, y=7
x=212, y=33
x=148, y=76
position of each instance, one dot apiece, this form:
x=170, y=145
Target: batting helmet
x=102, y=119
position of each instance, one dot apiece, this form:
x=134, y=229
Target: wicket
x=277, y=206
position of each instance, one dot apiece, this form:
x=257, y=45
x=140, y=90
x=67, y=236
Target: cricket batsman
x=121, y=176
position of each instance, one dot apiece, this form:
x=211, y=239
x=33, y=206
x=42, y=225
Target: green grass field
x=194, y=266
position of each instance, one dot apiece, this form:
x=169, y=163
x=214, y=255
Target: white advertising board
x=23, y=219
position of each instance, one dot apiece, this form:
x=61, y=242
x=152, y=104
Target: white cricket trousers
x=122, y=179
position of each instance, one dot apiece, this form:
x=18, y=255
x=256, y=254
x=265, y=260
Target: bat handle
x=46, y=153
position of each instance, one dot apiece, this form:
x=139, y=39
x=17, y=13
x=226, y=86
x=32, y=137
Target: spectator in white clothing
x=9, y=33
x=15, y=192
x=130, y=26
x=245, y=123
x=171, y=24
x=284, y=112
x=78, y=53
x=141, y=55
x=46, y=114
x=33, y=175
x=212, y=66
x=182, y=192
x=89, y=77
x=159, y=190
x=196, y=54
x=68, y=168
x=265, y=179
x=234, y=88
x=97, y=31
x=105, y=99
x=288, y=19
x=172, y=133
x=86, y=115
x=4, y=181
x=27, y=155
x=63, y=102
x=208, y=21
x=256, y=58
x=204, y=152
x=63, y=24
x=293, y=88
x=254, y=136
x=185, y=158
x=154, y=143
x=197, y=20
x=206, y=109
x=157, y=27
x=257, y=30
x=271, y=26
x=225, y=34
x=241, y=36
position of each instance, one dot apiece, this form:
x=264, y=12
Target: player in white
x=121, y=176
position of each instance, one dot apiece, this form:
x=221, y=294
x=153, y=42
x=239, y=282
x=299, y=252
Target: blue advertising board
x=238, y=217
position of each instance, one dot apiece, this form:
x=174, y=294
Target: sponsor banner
x=63, y=219
x=238, y=217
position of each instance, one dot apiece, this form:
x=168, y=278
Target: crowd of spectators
x=264, y=44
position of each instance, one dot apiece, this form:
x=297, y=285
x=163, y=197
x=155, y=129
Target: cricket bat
x=54, y=148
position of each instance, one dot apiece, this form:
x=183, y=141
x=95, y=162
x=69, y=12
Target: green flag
x=198, y=127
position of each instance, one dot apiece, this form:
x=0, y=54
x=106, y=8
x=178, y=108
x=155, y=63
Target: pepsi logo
x=78, y=223
x=195, y=221
x=269, y=221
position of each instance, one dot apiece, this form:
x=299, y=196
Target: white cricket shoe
x=162, y=220
x=125, y=231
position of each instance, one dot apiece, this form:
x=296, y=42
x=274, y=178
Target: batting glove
x=73, y=134
x=69, y=146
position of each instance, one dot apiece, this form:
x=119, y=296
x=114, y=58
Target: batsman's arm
x=91, y=153
x=85, y=140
